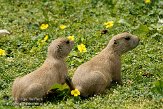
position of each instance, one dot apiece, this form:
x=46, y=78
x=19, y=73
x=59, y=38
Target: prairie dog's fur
x=95, y=75
x=53, y=70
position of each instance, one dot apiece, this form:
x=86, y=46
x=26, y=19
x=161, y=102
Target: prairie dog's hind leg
x=34, y=91
x=93, y=83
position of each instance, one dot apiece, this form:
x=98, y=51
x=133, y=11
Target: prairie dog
x=53, y=70
x=95, y=75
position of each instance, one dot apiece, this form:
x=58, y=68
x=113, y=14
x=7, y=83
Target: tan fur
x=53, y=70
x=95, y=75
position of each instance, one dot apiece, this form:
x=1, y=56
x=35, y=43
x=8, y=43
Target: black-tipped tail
x=69, y=83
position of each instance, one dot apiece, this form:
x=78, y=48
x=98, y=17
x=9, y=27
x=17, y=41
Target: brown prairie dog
x=53, y=70
x=95, y=75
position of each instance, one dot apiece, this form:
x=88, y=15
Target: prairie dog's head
x=60, y=48
x=123, y=42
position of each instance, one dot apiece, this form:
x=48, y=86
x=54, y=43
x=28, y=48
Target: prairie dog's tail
x=3, y=32
x=69, y=83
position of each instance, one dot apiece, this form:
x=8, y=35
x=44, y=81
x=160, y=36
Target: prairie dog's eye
x=67, y=42
x=115, y=42
x=127, y=38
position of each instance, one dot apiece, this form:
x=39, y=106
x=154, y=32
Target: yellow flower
x=82, y=48
x=44, y=26
x=62, y=27
x=46, y=38
x=71, y=38
x=75, y=92
x=2, y=52
x=39, y=42
x=109, y=24
x=147, y=1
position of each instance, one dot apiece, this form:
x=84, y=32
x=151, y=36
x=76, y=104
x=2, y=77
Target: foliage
x=158, y=87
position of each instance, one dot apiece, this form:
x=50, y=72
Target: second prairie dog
x=95, y=75
x=53, y=70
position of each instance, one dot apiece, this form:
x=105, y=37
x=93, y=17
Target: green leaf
x=158, y=83
x=59, y=87
x=142, y=30
x=158, y=87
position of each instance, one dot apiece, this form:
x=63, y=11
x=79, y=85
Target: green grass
x=142, y=68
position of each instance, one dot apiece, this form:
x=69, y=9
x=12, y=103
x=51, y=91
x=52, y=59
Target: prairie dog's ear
x=115, y=42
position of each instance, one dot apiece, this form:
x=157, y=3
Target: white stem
x=4, y=32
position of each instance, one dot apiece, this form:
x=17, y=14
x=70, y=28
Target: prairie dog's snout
x=135, y=40
x=71, y=43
